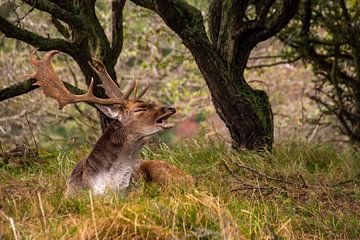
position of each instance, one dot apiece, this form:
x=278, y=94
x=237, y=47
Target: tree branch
x=183, y=18
x=273, y=64
x=96, y=29
x=285, y=12
x=44, y=44
x=27, y=86
x=306, y=20
x=262, y=9
x=18, y=89
x=311, y=54
x=67, y=16
x=60, y=27
x=214, y=21
x=117, y=7
x=149, y=4
x=237, y=9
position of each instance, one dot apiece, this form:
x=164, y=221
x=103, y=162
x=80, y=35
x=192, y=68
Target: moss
x=17, y=89
x=260, y=104
x=192, y=18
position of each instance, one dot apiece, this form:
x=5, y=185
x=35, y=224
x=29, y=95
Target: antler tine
x=111, y=89
x=136, y=88
x=53, y=87
x=91, y=88
x=143, y=91
x=128, y=92
x=34, y=60
x=47, y=57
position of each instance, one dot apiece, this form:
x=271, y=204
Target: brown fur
x=162, y=173
x=109, y=150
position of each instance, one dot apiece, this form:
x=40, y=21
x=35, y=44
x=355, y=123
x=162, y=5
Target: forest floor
x=300, y=191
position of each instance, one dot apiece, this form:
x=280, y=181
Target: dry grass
x=298, y=192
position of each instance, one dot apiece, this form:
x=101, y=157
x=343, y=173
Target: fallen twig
x=263, y=174
x=249, y=185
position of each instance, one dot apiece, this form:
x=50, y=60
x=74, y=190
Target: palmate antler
x=111, y=89
x=48, y=80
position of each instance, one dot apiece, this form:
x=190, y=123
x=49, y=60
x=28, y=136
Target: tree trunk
x=250, y=123
x=245, y=111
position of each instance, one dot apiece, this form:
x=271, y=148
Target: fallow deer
x=113, y=159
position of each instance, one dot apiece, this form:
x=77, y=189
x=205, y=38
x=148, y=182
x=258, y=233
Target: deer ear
x=110, y=111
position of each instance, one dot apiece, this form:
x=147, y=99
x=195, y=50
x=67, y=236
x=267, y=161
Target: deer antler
x=111, y=89
x=53, y=87
x=48, y=80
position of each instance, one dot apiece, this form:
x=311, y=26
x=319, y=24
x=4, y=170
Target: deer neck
x=113, y=158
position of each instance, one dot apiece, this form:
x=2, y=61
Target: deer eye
x=138, y=110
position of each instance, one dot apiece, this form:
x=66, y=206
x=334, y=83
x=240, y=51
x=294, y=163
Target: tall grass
x=300, y=191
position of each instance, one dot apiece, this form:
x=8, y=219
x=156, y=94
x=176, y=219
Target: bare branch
x=42, y=43
x=181, y=17
x=60, y=27
x=262, y=9
x=214, y=22
x=306, y=19
x=96, y=29
x=237, y=9
x=273, y=64
x=279, y=19
x=345, y=12
x=266, y=57
x=117, y=27
x=27, y=86
x=149, y=4
x=17, y=89
x=246, y=167
x=327, y=66
x=67, y=16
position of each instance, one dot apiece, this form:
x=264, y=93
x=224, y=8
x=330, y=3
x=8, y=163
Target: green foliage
x=317, y=203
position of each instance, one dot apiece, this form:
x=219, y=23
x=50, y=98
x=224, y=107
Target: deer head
x=148, y=119
x=145, y=119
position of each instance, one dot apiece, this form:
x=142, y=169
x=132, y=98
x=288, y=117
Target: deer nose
x=171, y=109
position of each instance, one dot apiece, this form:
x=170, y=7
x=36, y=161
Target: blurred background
x=151, y=53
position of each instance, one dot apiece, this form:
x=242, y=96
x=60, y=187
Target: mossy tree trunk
x=235, y=27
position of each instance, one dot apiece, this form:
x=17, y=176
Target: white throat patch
x=116, y=179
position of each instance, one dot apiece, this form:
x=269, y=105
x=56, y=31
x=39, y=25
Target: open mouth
x=161, y=121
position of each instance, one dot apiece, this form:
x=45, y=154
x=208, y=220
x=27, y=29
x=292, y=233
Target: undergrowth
x=300, y=191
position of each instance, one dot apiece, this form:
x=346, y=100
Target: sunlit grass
x=300, y=191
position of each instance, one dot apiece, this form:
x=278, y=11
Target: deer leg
x=162, y=173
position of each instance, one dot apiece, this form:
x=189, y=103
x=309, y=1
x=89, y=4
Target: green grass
x=300, y=191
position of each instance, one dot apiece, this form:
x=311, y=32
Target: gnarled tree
x=235, y=28
x=326, y=35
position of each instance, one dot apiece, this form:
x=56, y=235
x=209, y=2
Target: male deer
x=113, y=159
